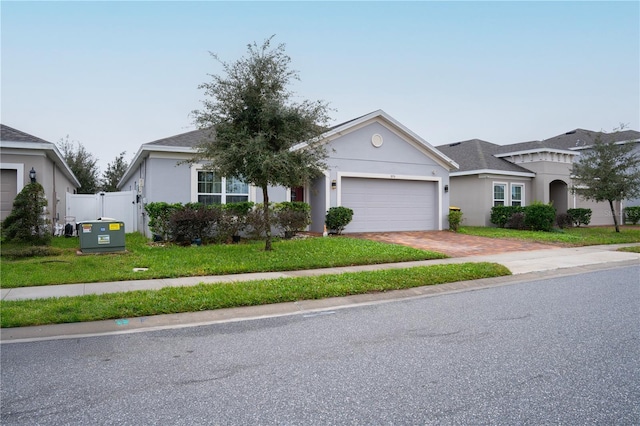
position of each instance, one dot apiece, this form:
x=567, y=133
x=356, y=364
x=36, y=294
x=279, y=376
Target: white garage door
x=381, y=205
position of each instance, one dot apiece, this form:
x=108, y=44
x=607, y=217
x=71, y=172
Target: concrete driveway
x=451, y=243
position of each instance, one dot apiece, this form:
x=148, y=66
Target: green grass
x=227, y=295
x=633, y=249
x=583, y=236
x=172, y=261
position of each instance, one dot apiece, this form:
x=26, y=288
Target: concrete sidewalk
x=519, y=262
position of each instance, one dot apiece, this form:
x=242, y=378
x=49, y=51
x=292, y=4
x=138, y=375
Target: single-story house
x=23, y=154
x=392, y=178
x=521, y=173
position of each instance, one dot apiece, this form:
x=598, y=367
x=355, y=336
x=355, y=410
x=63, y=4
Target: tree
x=607, y=172
x=114, y=173
x=255, y=126
x=82, y=164
x=27, y=222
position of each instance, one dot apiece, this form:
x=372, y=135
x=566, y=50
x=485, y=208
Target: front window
x=213, y=189
x=516, y=195
x=499, y=190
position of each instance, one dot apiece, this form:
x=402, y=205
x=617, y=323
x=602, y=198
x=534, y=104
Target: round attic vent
x=376, y=140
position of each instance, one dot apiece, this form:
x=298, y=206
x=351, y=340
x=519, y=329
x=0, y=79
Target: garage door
x=9, y=190
x=381, y=205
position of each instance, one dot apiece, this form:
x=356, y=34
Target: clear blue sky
x=115, y=75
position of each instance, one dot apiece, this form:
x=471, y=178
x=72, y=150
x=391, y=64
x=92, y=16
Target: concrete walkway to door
x=453, y=244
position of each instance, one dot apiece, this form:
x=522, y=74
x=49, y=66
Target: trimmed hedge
x=579, y=216
x=537, y=216
x=632, y=214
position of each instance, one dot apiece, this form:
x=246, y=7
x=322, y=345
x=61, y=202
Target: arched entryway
x=559, y=196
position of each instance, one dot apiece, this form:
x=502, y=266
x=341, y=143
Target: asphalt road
x=555, y=351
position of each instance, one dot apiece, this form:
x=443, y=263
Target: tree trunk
x=613, y=213
x=267, y=219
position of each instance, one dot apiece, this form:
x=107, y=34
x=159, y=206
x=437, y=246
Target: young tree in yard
x=608, y=172
x=255, y=126
x=82, y=164
x=26, y=221
x=114, y=173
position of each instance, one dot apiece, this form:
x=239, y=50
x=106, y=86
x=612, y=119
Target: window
x=499, y=190
x=517, y=198
x=214, y=189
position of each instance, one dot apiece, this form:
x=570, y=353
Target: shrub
x=256, y=225
x=500, y=215
x=194, y=221
x=26, y=222
x=234, y=220
x=632, y=214
x=338, y=218
x=563, y=220
x=579, y=216
x=159, y=215
x=516, y=221
x=292, y=217
x=455, y=219
x=539, y=216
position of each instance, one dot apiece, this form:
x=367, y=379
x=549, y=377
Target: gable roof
x=14, y=138
x=379, y=115
x=188, y=142
x=478, y=156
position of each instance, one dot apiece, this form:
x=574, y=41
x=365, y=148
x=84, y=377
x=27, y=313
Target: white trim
x=435, y=179
x=195, y=168
x=493, y=193
x=19, y=168
x=493, y=172
x=56, y=156
x=522, y=196
x=535, y=151
x=327, y=190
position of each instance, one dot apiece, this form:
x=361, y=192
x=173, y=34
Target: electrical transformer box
x=101, y=236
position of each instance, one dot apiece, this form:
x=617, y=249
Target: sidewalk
x=523, y=264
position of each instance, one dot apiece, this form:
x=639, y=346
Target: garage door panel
x=389, y=205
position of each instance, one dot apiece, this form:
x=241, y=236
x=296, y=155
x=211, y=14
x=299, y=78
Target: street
x=555, y=351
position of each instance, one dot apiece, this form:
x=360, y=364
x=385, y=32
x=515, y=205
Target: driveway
x=451, y=243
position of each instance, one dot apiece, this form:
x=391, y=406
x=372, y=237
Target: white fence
x=120, y=206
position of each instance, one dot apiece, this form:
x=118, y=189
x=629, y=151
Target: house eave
x=536, y=151
x=492, y=172
x=52, y=153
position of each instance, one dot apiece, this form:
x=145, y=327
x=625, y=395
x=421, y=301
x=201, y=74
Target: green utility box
x=101, y=236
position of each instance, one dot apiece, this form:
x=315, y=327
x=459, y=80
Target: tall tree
x=82, y=163
x=255, y=125
x=608, y=172
x=114, y=173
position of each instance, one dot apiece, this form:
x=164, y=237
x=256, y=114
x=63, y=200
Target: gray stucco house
x=521, y=173
x=392, y=178
x=20, y=153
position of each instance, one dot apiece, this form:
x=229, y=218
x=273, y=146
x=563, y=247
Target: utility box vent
x=101, y=236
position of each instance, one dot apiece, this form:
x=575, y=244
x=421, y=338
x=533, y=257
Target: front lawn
x=583, y=236
x=172, y=261
x=203, y=297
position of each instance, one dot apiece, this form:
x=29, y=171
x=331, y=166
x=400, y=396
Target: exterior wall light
x=334, y=184
x=446, y=188
x=32, y=175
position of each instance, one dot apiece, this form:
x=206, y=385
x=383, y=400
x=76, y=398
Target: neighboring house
x=521, y=173
x=392, y=178
x=20, y=153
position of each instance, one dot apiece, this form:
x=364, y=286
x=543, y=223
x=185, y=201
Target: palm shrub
x=292, y=217
x=632, y=214
x=579, y=216
x=26, y=222
x=539, y=216
x=257, y=225
x=338, y=218
x=194, y=221
x=234, y=220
